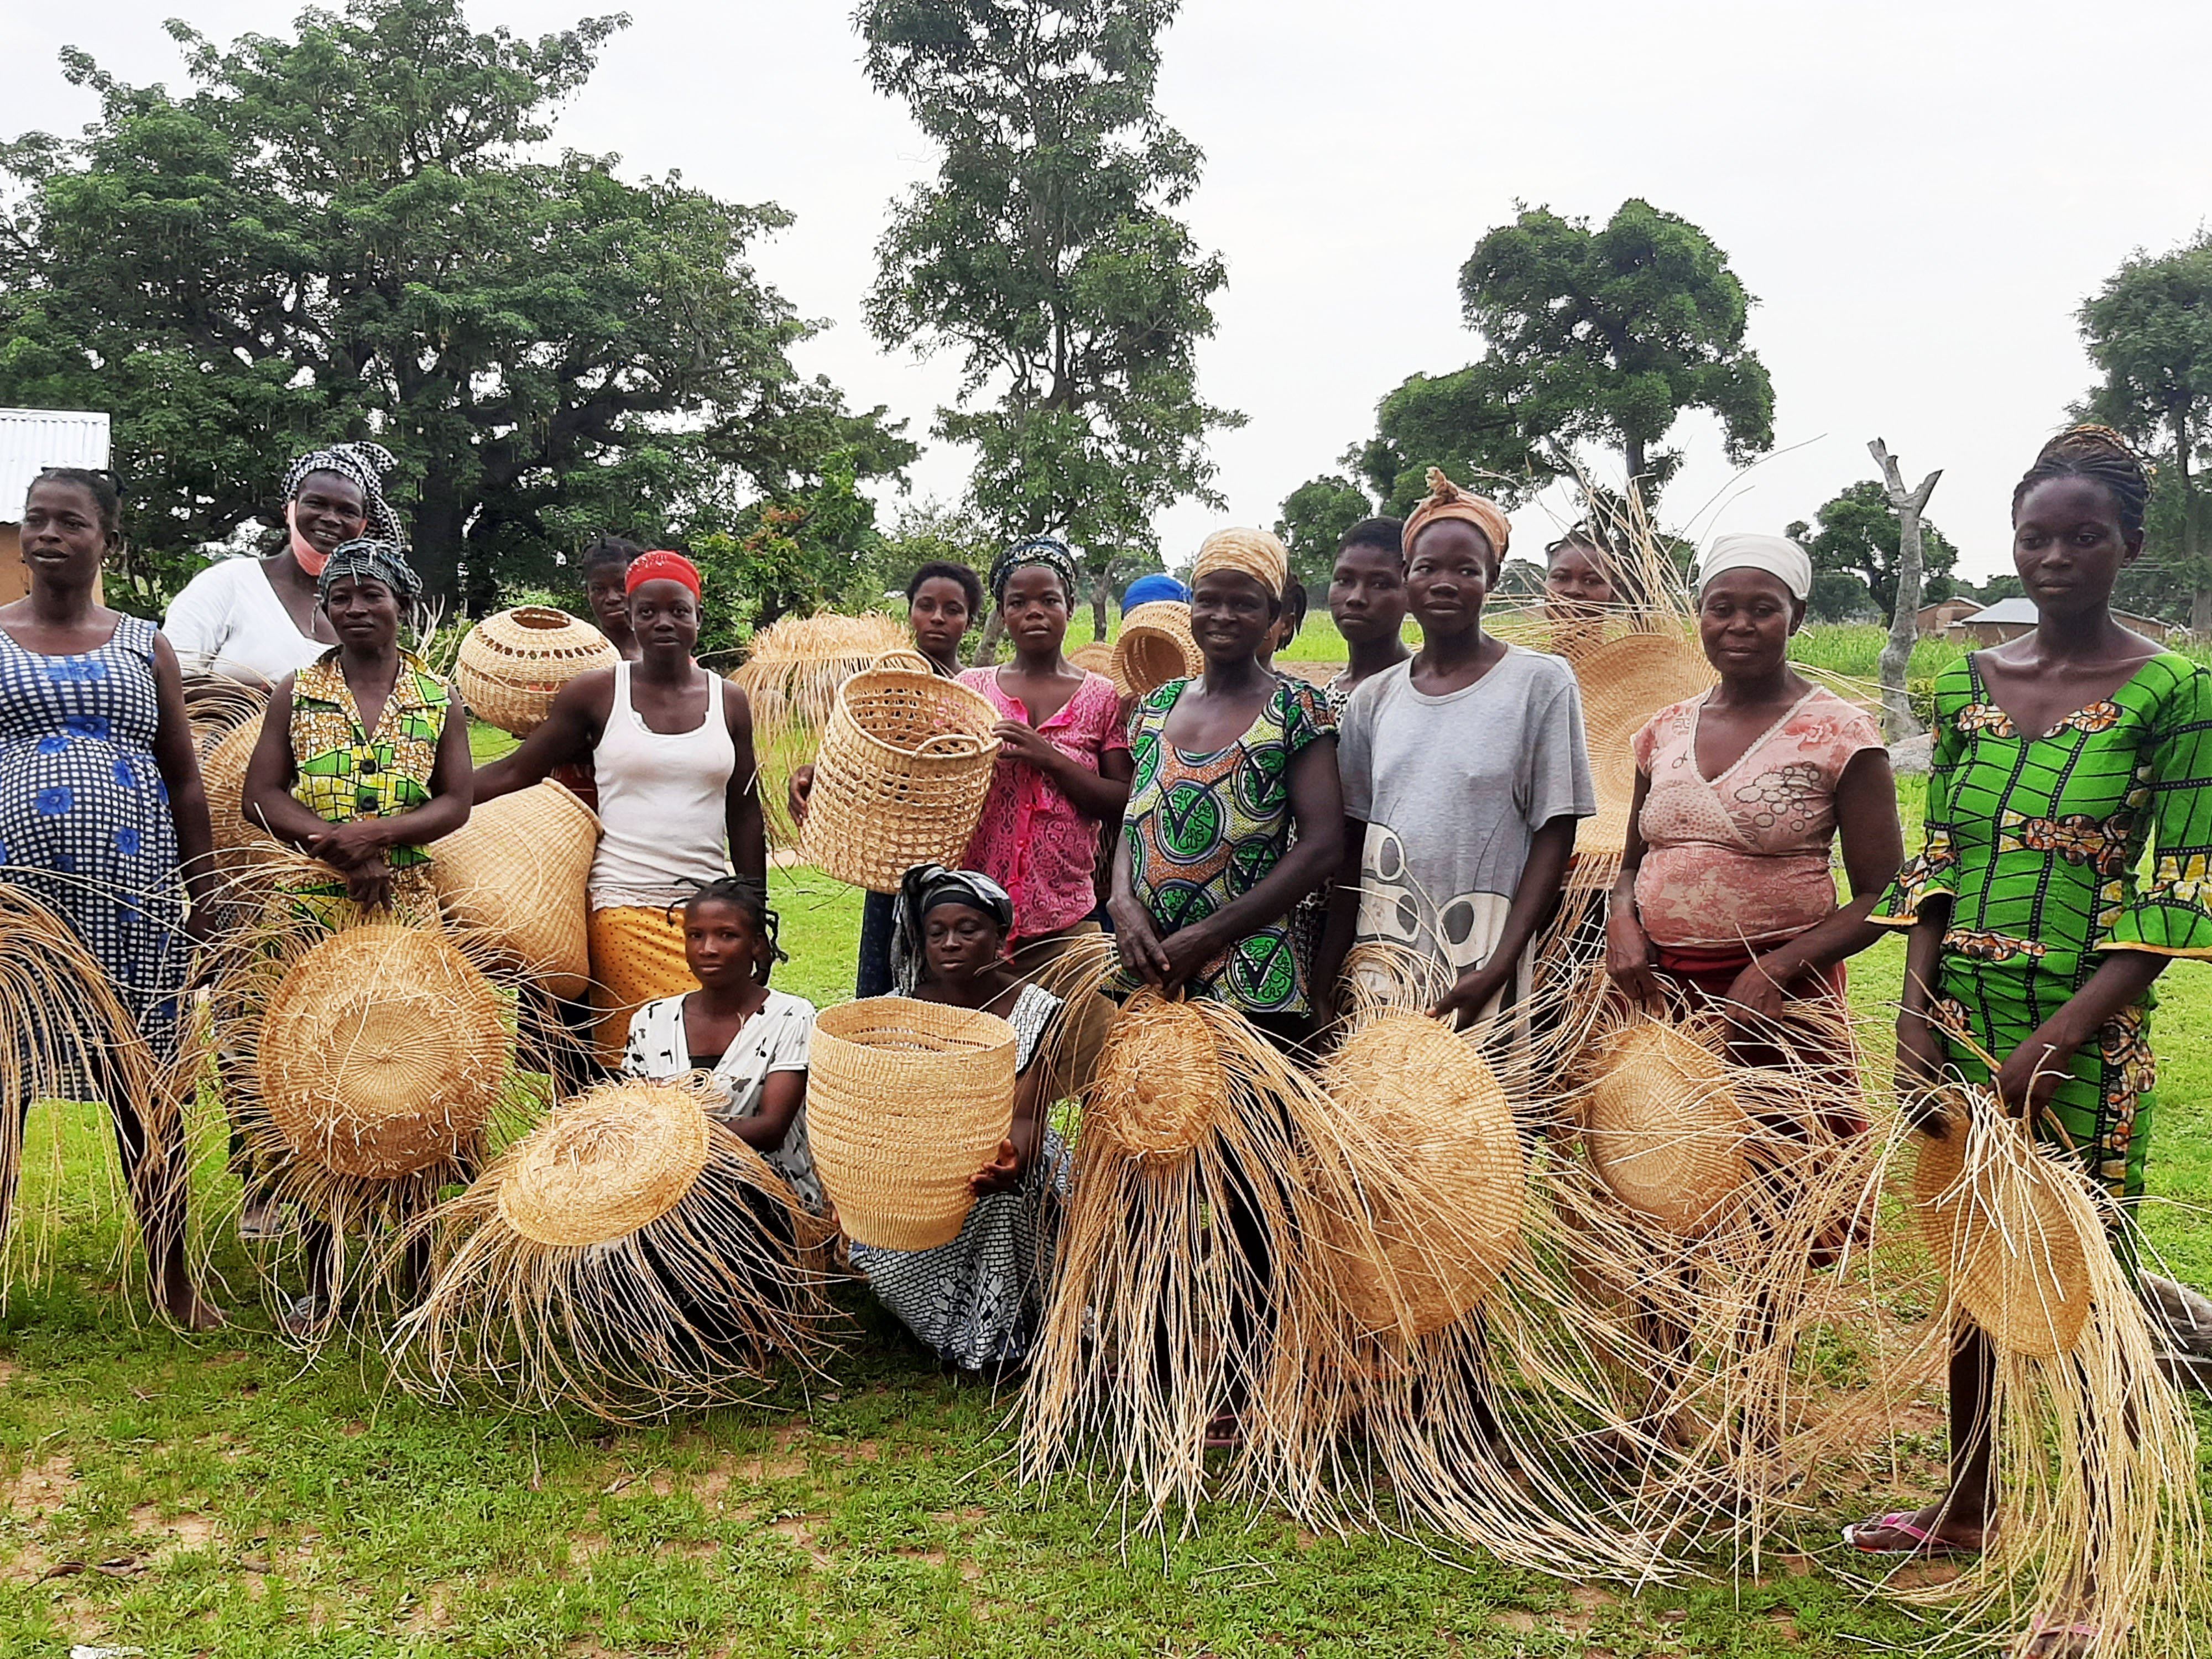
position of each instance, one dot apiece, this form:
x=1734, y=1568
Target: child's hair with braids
x=2102, y=456
x=750, y=897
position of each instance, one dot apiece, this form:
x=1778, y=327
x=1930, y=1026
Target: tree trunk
x=1898, y=721
x=2200, y=601
x=1101, y=595
x=987, y=642
x=1635, y=458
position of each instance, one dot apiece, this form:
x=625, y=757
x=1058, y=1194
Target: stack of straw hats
x=1155, y=646
x=2014, y=1249
x=514, y=877
x=513, y=663
x=1665, y=1133
x=1624, y=682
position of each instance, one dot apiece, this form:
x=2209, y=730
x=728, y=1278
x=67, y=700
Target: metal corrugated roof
x=34, y=439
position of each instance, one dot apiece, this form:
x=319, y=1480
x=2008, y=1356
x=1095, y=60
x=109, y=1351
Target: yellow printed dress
x=2038, y=842
x=347, y=773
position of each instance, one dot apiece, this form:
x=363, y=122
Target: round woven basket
x=1624, y=682
x=381, y=1052
x=606, y=1163
x=512, y=665
x=1155, y=646
x=1159, y=1084
x=905, y=1101
x=1665, y=1133
x=514, y=877
x=906, y=761
x=1431, y=1097
x=223, y=773
x=1096, y=658
x=2023, y=1275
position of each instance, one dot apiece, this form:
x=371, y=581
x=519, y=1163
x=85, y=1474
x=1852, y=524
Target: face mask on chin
x=309, y=558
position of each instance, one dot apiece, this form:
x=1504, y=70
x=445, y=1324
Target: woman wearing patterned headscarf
x=259, y=619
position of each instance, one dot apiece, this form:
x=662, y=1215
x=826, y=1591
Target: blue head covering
x=1146, y=589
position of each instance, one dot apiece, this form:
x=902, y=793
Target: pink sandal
x=1924, y=1542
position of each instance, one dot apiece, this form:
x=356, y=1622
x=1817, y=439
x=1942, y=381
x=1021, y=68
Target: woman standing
x=1367, y=600
x=258, y=620
x=670, y=745
x=1582, y=588
x=1464, y=775
x=102, y=814
x=606, y=564
x=976, y=1302
x=2059, y=757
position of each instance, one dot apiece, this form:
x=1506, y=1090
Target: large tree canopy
x=355, y=232
x=1316, y=515
x=1858, y=537
x=1045, y=253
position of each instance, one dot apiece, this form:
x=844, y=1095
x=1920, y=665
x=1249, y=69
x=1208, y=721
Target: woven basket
x=1159, y=1084
x=2022, y=1276
x=514, y=877
x=512, y=665
x=223, y=773
x=906, y=761
x=1155, y=646
x=1665, y=1133
x=1096, y=658
x=1429, y=1095
x=1624, y=682
x=381, y=1052
x=607, y=1164
x=905, y=1101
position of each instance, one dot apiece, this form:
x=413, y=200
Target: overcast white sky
x=1919, y=194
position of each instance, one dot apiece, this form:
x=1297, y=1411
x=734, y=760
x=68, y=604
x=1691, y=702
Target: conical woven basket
x=512, y=665
x=381, y=1052
x=1417, y=1088
x=1665, y=1133
x=1159, y=1084
x=2016, y=1259
x=1155, y=646
x=1624, y=682
x=906, y=761
x=514, y=877
x=223, y=773
x=607, y=1164
x=905, y=1101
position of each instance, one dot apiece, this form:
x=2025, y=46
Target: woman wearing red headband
x=671, y=745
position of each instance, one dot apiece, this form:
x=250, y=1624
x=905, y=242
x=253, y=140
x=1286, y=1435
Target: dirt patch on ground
x=800, y=1529
x=38, y=1488
x=179, y=1534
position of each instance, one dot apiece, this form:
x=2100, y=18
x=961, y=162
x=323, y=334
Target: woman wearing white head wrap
x=1778, y=556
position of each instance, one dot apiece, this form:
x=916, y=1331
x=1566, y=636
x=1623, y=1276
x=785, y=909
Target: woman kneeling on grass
x=976, y=1302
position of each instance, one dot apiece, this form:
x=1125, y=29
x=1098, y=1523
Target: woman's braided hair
x=2100, y=455
x=747, y=895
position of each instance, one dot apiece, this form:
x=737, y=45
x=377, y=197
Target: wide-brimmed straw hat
x=1155, y=646
x=1624, y=682
x=2012, y=1247
x=1665, y=1133
x=222, y=772
x=606, y=1163
x=1160, y=1083
x=514, y=877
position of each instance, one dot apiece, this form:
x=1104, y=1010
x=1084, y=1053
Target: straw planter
x=1665, y=1133
x=906, y=763
x=1155, y=646
x=514, y=877
x=905, y=1101
x=512, y=664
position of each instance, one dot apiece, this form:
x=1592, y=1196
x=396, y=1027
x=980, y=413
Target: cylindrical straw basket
x=906, y=761
x=1155, y=646
x=512, y=665
x=514, y=879
x=905, y=1101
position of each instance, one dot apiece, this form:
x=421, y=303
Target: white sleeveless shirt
x=662, y=803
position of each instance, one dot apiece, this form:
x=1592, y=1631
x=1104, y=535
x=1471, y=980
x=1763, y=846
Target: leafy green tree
x=1316, y=515
x=354, y=231
x=2149, y=330
x=1466, y=423
x=1858, y=538
x=1046, y=251
x=1840, y=597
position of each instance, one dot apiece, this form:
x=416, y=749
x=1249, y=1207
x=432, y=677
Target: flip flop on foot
x=1224, y=1432
x=1900, y=1533
x=2056, y=1641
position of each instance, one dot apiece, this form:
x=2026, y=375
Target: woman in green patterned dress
x=2059, y=756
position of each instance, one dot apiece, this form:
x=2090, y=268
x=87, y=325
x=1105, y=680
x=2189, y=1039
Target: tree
x=1047, y=253
x=1898, y=718
x=1858, y=536
x=1837, y=598
x=1316, y=515
x=353, y=233
x=1466, y=423
x=2149, y=332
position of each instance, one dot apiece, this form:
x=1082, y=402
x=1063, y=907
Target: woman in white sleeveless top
x=671, y=745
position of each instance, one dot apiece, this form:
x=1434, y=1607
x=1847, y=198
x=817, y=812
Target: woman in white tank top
x=671, y=747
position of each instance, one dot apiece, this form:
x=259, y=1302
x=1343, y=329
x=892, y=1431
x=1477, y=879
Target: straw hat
x=1155, y=646
x=1665, y=1133
x=1448, y=1230
x=512, y=665
x=223, y=773
x=1624, y=682
x=606, y=1163
x=905, y=1101
x=1096, y=658
x=514, y=877
x=1160, y=1083
x=2011, y=1246
x=381, y=1053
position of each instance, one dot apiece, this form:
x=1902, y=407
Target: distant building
x=32, y=439
x=1932, y=619
x=2008, y=619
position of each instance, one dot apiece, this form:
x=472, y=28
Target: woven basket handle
x=957, y=742
x=906, y=661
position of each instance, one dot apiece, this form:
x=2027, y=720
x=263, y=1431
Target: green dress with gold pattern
x=2038, y=842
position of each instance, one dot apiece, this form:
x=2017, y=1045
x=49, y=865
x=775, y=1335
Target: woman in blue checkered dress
x=101, y=807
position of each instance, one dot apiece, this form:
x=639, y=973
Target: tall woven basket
x=512, y=664
x=905, y=1101
x=906, y=761
x=1155, y=646
x=514, y=877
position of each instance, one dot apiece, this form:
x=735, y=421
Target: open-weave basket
x=906, y=761
x=514, y=877
x=905, y=1101
x=512, y=664
x=1155, y=646
x=1159, y=1084
x=607, y=1164
x=1429, y=1095
x=381, y=1052
x=1665, y=1132
x=2017, y=1258
x=1624, y=682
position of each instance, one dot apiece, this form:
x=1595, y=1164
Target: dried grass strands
x=790, y=674
x=218, y=705
x=630, y=1257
